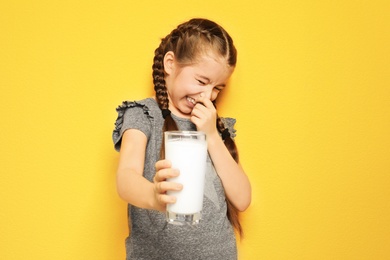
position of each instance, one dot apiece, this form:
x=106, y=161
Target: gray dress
x=150, y=235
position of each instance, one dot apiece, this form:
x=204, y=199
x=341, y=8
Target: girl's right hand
x=161, y=185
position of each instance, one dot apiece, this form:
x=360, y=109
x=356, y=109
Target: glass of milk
x=187, y=151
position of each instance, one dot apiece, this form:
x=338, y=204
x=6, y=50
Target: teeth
x=191, y=100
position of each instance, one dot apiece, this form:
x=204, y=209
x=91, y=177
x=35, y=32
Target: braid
x=187, y=42
x=229, y=143
x=161, y=89
x=158, y=77
x=232, y=212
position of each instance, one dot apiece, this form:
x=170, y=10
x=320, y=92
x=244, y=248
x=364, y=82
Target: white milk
x=189, y=156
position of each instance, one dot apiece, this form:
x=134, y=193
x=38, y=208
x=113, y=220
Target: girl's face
x=185, y=84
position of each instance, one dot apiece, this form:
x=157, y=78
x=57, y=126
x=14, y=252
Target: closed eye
x=201, y=82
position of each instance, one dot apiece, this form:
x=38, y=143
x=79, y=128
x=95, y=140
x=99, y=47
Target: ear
x=169, y=60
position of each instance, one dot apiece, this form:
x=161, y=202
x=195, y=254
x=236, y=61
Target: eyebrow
x=203, y=77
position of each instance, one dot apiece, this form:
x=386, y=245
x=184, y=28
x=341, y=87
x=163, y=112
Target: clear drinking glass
x=187, y=151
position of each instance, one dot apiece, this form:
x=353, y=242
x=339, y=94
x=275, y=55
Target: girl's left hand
x=204, y=116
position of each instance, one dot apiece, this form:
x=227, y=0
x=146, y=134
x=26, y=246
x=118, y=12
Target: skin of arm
x=235, y=181
x=132, y=186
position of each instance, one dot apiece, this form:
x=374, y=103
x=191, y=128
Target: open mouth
x=191, y=100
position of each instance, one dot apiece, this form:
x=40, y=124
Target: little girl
x=191, y=66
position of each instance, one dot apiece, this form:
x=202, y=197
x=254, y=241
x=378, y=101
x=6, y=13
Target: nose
x=207, y=93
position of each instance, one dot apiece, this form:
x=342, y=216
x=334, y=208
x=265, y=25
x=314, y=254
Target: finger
x=199, y=111
x=163, y=187
x=203, y=100
x=162, y=164
x=203, y=109
x=164, y=174
x=166, y=199
x=203, y=112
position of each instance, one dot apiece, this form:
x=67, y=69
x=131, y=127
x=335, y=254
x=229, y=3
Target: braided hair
x=188, y=41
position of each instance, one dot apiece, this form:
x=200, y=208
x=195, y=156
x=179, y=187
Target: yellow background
x=311, y=93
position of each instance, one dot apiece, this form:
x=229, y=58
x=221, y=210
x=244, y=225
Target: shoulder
x=146, y=105
x=135, y=115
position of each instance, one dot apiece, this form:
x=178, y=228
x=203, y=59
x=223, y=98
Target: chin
x=184, y=109
x=185, y=112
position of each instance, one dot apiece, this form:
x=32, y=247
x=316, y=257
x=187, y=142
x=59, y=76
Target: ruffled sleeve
x=131, y=115
x=229, y=124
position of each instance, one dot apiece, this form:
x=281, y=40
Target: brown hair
x=188, y=41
